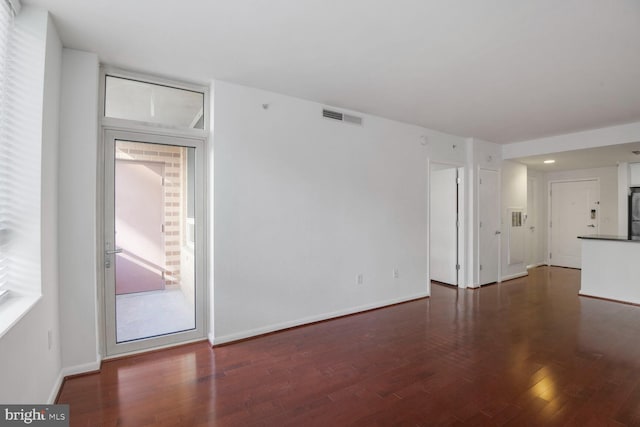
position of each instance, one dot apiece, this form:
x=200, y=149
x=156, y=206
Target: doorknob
x=107, y=252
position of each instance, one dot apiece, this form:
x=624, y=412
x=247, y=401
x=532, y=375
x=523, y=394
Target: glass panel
x=155, y=280
x=151, y=103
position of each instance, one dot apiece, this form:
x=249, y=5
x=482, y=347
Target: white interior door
x=574, y=212
x=489, y=217
x=443, y=238
x=153, y=276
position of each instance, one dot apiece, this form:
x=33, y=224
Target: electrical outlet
x=396, y=273
x=50, y=338
x=360, y=279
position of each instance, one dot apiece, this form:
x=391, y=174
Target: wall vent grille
x=336, y=115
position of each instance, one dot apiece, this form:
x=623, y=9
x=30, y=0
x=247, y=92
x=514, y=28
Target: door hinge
x=458, y=180
x=163, y=180
x=163, y=228
x=550, y=255
x=457, y=223
x=480, y=180
x=480, y=267
x=480, y=224
x=550, y=224
x=457, y=267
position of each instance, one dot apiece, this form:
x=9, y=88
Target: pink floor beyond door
x=139, y=226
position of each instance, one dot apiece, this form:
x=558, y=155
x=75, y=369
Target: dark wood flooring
x=525, y=352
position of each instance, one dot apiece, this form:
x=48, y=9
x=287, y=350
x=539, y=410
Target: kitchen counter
x=608, y=237
x=610, y=268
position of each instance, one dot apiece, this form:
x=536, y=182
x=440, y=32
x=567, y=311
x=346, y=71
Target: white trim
x=57, y=385
x=68, y=371
x=311, y=319
x=111, y=347
x=14, y=308
x=148, y=350
x=82, y=369
x=535, y=265
x=607, y=299
x=514, y=276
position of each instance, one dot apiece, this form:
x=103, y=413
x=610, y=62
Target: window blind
x=6, y=21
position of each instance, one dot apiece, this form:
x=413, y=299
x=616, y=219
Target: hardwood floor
x=526, y=352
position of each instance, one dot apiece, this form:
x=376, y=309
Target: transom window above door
x=151, y=103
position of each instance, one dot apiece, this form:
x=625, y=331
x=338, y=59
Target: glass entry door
x=152, y=253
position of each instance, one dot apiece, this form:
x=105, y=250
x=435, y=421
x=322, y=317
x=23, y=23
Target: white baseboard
x=515, y=276
x=71, y=370
x=311, y=319
x=81, y=369
x=536, y=265
x=55, y=390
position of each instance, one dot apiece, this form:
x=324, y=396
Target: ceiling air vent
x=336, y=115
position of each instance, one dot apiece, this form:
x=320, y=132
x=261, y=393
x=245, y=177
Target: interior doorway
x=574, y=211
x=445, y=221
x=153, y=269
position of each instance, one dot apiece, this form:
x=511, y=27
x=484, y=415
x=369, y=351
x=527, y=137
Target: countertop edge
x=608, y=238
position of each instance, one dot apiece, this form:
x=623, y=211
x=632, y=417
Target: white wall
x=29, y=369
x=514, y=195
x=77, y=211
x=608, y=193
x=304, y=204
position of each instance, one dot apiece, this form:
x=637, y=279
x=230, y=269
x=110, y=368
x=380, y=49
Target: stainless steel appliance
x=634, y=213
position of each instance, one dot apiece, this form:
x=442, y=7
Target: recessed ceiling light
x=549, y=161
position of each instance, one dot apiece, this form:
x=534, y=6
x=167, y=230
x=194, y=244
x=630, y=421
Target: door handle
x=591, y=225
x=532, y=228
x=498, y=232
x=107, y=259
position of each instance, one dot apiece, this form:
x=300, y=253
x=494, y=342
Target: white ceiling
x=499, y=70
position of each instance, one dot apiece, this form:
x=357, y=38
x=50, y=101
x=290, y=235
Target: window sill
x=12, y=308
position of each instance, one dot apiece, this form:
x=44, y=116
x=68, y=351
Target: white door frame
x=109, y=347
x=201, y=136
x=549, y=208
x=461, y=167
